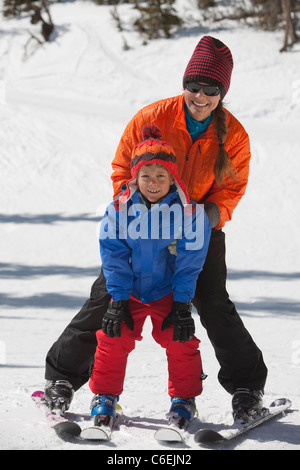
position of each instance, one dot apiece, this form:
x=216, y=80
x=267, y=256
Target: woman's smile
x=199, y=105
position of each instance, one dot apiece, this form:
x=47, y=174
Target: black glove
x=117, y=312
x=180, y=316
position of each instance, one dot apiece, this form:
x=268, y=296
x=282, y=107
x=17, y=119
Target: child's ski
x=97, y=433
x=168, y=434
x=173, y=432
x=103, y=431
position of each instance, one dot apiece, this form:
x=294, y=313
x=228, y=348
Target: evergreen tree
x=38, y=10
x=267, y=14
x=158, y=18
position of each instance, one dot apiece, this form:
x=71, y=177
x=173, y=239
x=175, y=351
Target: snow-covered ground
x=65, y=109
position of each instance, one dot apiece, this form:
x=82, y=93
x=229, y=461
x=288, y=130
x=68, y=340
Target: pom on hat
x=151, y=132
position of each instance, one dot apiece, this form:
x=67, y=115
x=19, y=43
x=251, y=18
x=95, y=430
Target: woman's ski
x=208, y=436
x=59, y=423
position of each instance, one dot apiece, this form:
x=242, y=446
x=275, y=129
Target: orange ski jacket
x=195, y=160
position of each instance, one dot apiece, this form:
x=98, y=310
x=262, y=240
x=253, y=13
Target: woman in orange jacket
x=213, y=155
x=204, y=163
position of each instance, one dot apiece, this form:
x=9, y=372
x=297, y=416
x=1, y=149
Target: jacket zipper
x=188, y=155
x=187, y=159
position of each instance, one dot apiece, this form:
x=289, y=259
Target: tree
x=157, y=18
x=290, y=26
x=38, y=11
x=270, y=15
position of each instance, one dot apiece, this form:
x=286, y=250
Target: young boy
x=153, y=244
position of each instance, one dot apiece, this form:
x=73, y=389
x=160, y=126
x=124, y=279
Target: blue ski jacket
x=150, y=252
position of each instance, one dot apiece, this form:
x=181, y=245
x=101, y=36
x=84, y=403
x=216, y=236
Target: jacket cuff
x=180, y=297
x=119, y=296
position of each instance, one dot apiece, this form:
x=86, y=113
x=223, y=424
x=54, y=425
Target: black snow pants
x=241, y=362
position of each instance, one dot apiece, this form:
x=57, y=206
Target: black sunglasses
x=209, y=90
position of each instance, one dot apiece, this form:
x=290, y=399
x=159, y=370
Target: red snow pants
x=184, y=360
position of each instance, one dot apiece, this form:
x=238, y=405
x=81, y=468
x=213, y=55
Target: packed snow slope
x=63, y=110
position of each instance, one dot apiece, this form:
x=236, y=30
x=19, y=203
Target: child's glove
x=117, y=312
x=180, y=316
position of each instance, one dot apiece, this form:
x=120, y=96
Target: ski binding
x=56, y=420
x=103, y=427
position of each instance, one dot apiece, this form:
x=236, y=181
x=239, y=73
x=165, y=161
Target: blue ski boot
x=181, y=412
x=104, y=408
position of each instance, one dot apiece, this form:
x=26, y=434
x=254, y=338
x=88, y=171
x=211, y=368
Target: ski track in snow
x=66, y=108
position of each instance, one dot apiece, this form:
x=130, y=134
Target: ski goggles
x=208, y=90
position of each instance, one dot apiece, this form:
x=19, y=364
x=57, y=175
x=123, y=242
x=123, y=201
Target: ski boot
x=247, y=404
x=104, y=408
x=181, y=412
x=58, y=395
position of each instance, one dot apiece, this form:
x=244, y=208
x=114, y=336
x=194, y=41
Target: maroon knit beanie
x=210, y=63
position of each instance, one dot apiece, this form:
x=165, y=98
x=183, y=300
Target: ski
x=97, y=433
x=168, y=434
x=56, y=420
x=103, y=431
x=172, y=432
x=207, y=436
